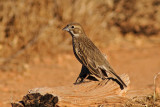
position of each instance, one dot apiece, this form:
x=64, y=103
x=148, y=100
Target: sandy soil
x=140, y=64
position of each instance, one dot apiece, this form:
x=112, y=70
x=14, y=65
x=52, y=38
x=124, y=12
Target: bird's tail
x=118, y=79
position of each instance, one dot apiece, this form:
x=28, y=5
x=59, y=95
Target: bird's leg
x=101, y=74
x=104, y=81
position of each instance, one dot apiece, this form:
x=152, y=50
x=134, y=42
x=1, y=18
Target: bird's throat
x=74, y=34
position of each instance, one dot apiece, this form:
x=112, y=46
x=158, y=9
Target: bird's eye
x=72, y=27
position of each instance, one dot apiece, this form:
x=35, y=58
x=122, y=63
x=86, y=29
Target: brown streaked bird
x=93, y=61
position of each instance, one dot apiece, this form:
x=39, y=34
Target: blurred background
x=35, y=52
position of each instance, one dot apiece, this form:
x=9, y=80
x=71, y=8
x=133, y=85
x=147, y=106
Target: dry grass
x=147, y=100
x=32, y=28
x=143, y=101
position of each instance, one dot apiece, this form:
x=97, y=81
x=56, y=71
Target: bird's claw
x=103, y=82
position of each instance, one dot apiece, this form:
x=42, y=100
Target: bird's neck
x=75, y=41
x=76, y=34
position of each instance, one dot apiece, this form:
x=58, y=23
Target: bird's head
x=74, y=29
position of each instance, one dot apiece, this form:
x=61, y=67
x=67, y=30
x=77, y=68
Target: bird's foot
x=103, y=82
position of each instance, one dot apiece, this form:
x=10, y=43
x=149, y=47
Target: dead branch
x=85, y=94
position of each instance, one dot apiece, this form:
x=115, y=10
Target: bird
x=94, y=63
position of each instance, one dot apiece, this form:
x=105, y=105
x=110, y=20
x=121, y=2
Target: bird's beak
x=66, y=28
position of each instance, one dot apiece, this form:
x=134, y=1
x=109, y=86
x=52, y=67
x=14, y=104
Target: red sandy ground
x=140, y=64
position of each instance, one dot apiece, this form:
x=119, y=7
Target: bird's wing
x=94, y=68
x=90, y=64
